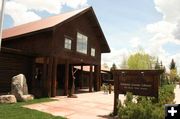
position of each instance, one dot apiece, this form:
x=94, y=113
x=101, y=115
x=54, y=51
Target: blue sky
x=128, y=25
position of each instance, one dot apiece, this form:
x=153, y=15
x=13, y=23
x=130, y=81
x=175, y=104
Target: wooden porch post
x=90, y=79
x=81, y=77
x=54, y=77
x=33, y=83
x=66, y=78
x=50, y=64
x=44, y=77
x=97, y=77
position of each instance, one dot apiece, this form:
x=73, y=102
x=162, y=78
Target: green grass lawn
x=16, y=111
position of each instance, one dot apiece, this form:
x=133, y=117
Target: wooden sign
x=138, y=82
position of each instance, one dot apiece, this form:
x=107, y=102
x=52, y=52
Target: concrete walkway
x=177, y=94
x=96, y=105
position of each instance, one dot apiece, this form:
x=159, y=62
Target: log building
x=47, y=50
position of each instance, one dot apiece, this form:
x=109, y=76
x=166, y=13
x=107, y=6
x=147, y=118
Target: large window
x=67, y=43
x=82, y=41
x=93, y=52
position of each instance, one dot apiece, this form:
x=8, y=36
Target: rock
x=19, y=88
x=19, y=84
x=72, y=96
x=27, y=97
x=8, y=99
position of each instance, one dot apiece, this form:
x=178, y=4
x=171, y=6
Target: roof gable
x=50, y=22
x=39, y=25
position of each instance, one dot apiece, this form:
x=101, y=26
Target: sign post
x=138, y=82
x=1, y=19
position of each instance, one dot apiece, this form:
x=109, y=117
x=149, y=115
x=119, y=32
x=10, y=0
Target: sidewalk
x=177, y=94
x=96, y=105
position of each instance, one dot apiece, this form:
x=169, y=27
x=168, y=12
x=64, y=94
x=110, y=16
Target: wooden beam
x=81, y=77
x=33, y=83
x=50, y=64
x=97, y=77
x=66, y=78
x=44, y=77
x=54, y=77
x=90, y=79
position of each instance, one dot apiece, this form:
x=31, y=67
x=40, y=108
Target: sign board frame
x=138, y=82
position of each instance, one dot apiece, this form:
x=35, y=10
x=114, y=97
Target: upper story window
x=93, y=52
x=67, y=43
x=82, y=42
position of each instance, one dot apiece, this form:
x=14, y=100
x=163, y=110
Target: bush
x=166, y=94
x=146, y=107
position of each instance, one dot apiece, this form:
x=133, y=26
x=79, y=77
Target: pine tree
x=157, y=66
x=172, y=65
x=113, y=67
x=173, y=70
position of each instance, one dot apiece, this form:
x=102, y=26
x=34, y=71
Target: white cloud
x=20, y=13
x=75, y=3
x=51, y=6
x=166, y=30
x=169, y=8
x=23, y=11
x=163, y=27
x=163, y=32
x=116, y=56
x=176, y=32
x=135, y=42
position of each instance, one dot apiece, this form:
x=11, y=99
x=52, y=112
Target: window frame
x=69, y=43
x=82, y=43
x=94, y=52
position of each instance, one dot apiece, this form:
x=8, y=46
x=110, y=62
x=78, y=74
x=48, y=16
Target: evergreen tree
x=173, y=70
x=172, y=65
x=113, y=67
x=157, y=66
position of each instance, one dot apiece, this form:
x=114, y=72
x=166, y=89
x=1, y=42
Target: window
x=82, y=41
x=93, y=52
x=67, y=43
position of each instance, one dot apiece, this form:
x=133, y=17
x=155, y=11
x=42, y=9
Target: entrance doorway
x=60, y=79
x=82, y=80
x=38, y=81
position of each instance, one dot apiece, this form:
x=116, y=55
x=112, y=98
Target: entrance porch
x=53, y=76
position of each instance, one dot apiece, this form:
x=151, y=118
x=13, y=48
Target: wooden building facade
x=57, y=44
x=13, y=62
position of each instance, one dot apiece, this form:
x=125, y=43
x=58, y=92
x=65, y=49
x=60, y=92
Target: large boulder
x=19, y=88
x=8, y=99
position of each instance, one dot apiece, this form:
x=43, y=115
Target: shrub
x=146, y=107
